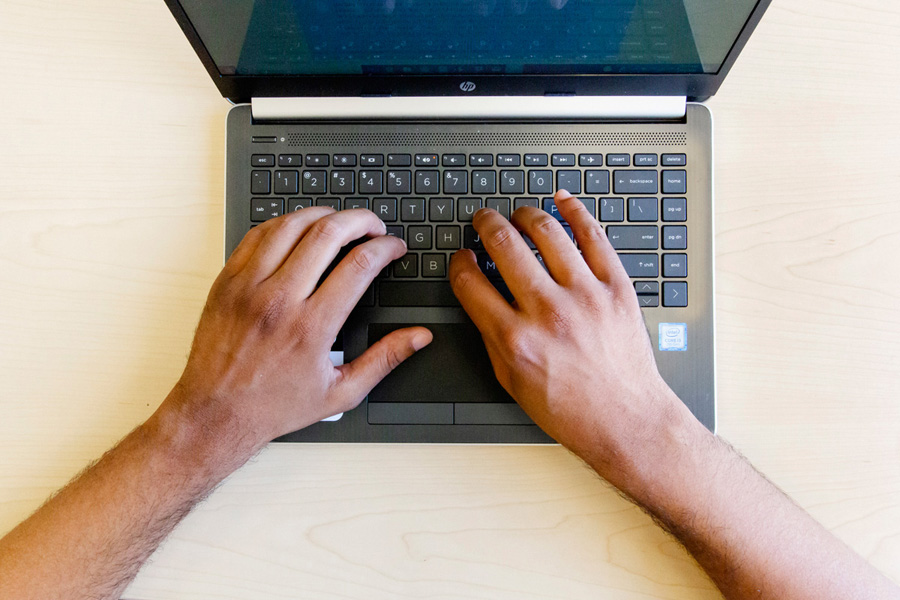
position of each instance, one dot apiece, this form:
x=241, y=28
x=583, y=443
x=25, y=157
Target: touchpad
x=453, y=368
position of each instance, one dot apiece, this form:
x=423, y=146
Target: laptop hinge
x=470, y=108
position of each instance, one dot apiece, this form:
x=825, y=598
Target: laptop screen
x=467, y=37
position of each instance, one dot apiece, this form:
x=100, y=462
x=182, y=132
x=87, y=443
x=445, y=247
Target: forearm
x=90, y=539
x=751, y=539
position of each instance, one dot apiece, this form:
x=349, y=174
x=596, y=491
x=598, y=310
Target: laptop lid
x=280, y=48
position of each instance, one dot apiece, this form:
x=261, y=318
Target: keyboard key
x=399, y=160
x=286, y=182
x=412, y=209
x=440, y=209
x=263, y=209
x=596, y=182
x=569, y=180
x=612, y=210
x=371, y=182
x=344, y=160
x=428, y=182
x=675, y=265
x=260, y=182
x=290, y=160
x=646, y=160
x=426, y=160
x=674, y=160
x=418, y=237
x=471, y=239
x=351, y=203
x=674, y=209
x=512, y=182
x=642, y=209
x=484, y=182
x=550, y=207
x=295, y=204
x=488, y=266
x=618, y=160
x=633, y=237
x=342, y=182
x=395, y=231
x=563, y=160
x=646, y=287
x=334, y=203
x=674, y=182
x=316, y=160
x=467, y=207
x=536, y=160
x=481, y=160
x=644, y=266
x=314, y=182
x=509, y=160
x=648, y=301
x=540, y=182
x=501, y=205
x=520, y=202
x=371, y=160
x=590, y=160
x=262, y=160
x=636, y=182
x=674, y=237
x=385, y=209
x=456, y=182
x=434, y=265
x=453, y=160
x=675, y=293
x=399, y=182
x=416, y=293
x=447, y=237
x=406, y=266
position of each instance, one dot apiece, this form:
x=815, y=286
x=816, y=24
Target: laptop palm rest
x=450, y=381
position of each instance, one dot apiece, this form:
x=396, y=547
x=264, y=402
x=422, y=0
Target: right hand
x=573, y=349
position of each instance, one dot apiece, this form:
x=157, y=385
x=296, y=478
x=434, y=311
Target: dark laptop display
x=644, y=173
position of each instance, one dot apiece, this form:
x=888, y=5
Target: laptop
x=424, y=112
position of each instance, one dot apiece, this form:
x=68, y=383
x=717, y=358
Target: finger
x=343, y=288
x=318, y=249
x=515, y=261
x=559, y=253
x=244, y=250
x=279, y=237
x=357, y=378
x=599, y=255
x=481, y=300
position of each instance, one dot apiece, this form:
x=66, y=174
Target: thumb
x=360, y=376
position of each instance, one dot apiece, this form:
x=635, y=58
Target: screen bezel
x=241, y=88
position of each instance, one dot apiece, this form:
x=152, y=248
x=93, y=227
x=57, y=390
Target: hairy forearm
x=89, y=540
x=751, y=539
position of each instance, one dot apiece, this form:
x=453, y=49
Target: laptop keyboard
x=428, y=199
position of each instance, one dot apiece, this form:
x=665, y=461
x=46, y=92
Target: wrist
x=197, y=440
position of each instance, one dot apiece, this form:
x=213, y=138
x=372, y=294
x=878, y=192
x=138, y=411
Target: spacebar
x=416, y=293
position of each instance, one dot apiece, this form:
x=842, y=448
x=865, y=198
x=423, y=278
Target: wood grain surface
x=111, y=186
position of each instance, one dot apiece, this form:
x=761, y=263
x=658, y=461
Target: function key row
x=474, y=160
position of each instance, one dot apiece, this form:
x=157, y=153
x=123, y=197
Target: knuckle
x=546, y=225
x=499, y=237
x=327, y=229
x=267, y=308
x=462, y=280
x=391, y=357
x=362, y=259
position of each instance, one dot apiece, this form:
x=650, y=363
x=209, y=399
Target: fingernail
x=563, y=194
x=383, y=226
x=420, y=340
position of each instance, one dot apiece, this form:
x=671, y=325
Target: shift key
x=645, y=266
x=636, y=182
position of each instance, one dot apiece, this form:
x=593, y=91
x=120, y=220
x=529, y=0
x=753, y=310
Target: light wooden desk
x=111, y=160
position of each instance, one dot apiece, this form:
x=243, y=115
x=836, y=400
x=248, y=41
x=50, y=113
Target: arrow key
x=675, y=293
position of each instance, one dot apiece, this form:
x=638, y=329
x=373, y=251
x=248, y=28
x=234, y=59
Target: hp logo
x=467, y=86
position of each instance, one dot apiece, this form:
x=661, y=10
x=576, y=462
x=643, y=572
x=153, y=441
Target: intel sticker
x=673, y=337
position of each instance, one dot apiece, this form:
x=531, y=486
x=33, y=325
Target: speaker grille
x=658, y=138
